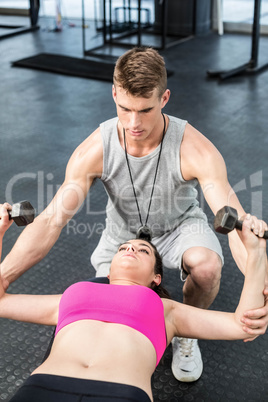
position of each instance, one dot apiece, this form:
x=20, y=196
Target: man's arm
x=41, y=309
x=188, y=321
x=201, y=160
x=38, y=238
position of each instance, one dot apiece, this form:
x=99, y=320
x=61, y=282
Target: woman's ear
x=157, y=279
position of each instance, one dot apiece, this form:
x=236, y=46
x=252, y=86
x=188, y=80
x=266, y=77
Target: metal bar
x=139, y=22
x=110, y=25
x=104, y=22
x=255, y=34
x=83, y=28
x=164, y=22
x=252, y=65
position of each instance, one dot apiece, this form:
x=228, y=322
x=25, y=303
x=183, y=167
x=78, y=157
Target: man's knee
x=94, y=260
x=204, y=266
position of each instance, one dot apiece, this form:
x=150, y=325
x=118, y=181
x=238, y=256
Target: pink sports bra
x=136, y=306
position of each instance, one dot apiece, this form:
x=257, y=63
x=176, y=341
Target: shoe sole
x=187, y=378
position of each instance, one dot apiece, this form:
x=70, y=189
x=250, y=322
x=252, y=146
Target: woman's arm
x=30, y=308
x=188, y=321
x=37, y=309
x=5, y=223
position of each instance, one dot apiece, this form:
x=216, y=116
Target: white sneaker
x=187, y=365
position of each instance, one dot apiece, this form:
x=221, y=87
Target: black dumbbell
x=22, y=213
x=226, y=220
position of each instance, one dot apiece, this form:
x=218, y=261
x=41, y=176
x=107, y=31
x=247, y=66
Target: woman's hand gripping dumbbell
x=22, y=213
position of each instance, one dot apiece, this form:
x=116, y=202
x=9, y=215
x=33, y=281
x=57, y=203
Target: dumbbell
x=22, y=213
x=226, y=220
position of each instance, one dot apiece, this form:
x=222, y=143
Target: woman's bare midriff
x=102, y=351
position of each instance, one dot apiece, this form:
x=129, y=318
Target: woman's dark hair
x=158, y=270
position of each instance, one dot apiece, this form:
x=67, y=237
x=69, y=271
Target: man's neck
x=140, y=148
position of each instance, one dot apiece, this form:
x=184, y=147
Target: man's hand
x=255, y=322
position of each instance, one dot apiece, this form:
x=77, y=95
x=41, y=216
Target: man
x=150, y=164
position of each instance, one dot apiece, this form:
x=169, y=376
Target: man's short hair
x=140, y=71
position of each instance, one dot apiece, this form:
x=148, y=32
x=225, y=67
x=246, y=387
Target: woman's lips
x=129, y=255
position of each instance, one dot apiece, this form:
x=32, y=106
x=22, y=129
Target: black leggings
x=53, y=388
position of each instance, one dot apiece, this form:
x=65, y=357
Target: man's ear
x=165, y=98
x=114, y=93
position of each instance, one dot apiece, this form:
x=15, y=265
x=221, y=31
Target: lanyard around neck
x=144, y=231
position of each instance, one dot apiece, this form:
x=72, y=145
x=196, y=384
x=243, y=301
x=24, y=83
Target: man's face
x=140, y=117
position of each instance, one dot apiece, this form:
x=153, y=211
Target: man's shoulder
x=198, y=152
x=110, y=123
x=176, y=120
x=195, y=139
x=176, y=128
x=87, y=159
x=89, y=150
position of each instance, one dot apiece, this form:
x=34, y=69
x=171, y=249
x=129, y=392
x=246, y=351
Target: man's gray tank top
x=174, y=199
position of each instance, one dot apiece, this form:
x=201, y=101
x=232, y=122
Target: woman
x=109, y=338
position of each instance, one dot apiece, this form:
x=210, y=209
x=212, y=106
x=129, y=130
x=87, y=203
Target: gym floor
x=44, y=116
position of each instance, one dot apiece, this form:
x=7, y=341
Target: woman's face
x=134, y=262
